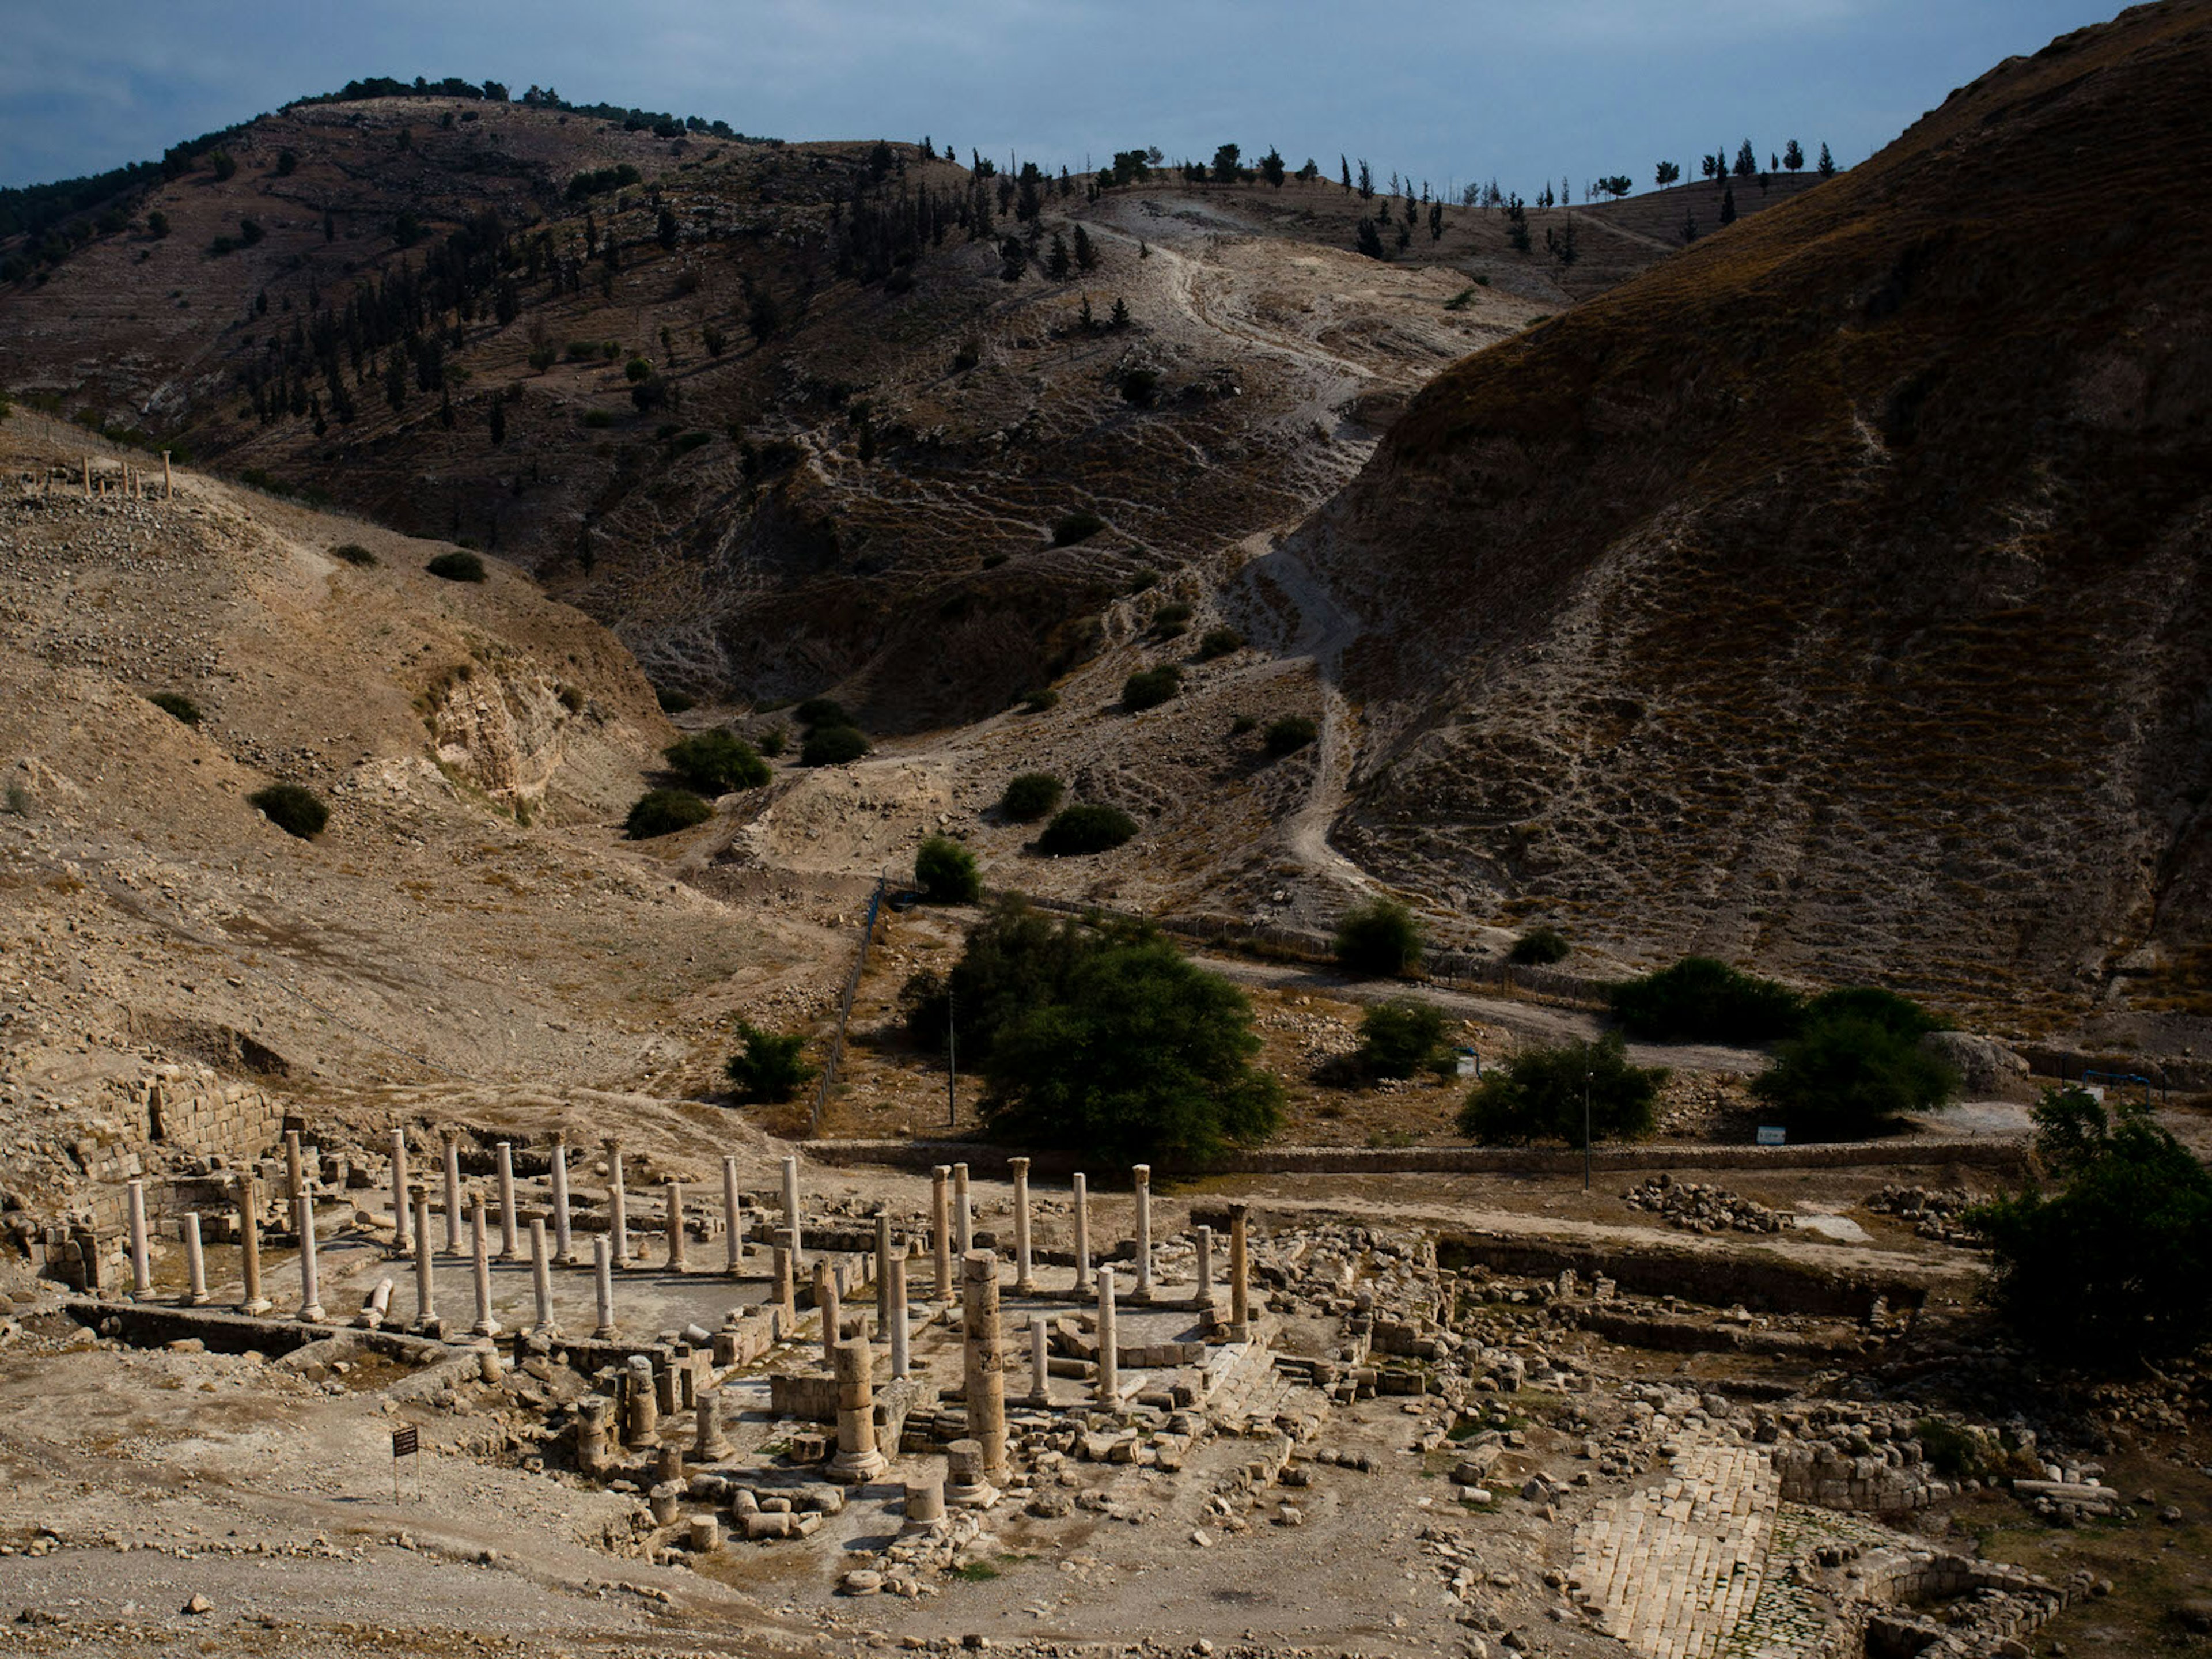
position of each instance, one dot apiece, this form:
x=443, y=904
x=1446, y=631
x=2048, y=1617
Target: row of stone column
x=130, y=480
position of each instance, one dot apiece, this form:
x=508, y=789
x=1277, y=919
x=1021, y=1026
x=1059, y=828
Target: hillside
x=1833, y=597
x=855, y=422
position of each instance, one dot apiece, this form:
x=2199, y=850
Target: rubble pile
x=1702, y=1209
x=1935, y=1212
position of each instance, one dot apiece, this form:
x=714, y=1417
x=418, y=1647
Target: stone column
x=712, y=1445
x=1024, y=1279
x=1140, y=1177
x=857, y=1460
x=1040, y=1362
x=564, y=1244
x=426, y=1299
x=294, y=1174
x=508, y=1244
x=825, y=1298
x=966, y=1485
x=375, y=1307
x=541, y=1280
x=673, y=1211
x=963, y=1214
x=165, y=475
x=984, y=1360
x=617, y=1205
x=902, y=1362
x=311, y=1284
x=883, y=1272
x=791, y=1213
x=593, y=1456
x=452, y=1195
x=732, y=1216
x=1240, y=1280
x=1082, y=1234
x=249, y=1241
x=1109, y=1355
x=87, y=477
x=480, y=1259
x=142, y=1269
x=602, y=1276
x=940, y=1228
x=925, y=1506
x=1204, y=1267
x=786, y=1279
x=400, y=1219
x=642, y=1398
x=194, y=1262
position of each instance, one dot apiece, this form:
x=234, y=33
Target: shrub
x=637, y=369
x=1381, y=937
x=1078, y=829
x=1290, y=734
x=1243, y=726
x=663, y=811
x=1148, y=688
x=1029, y=796
x=832, y=745
x=1219, y=642
x=2115, y=1265
x=674, y=702
x=1701, y=1000
x=1950, y=1450
x=1847, y=1075
x=1171, y=619
x=946, y=873
x=1146, y=577
x=774, y=741
x=354, y=554
x=177, y=704
x=770, y=1066
x=1141, y=386
x=1397, y=1038
x=716, y=762
x=821, y=711
x=598, y=419
x=582, y=351
x=1540, y=947
x=457, y=567
x=1539, y=1095
x=1885, y=1008
x=1076, y=527
x=293, y=808
x=1038, y=702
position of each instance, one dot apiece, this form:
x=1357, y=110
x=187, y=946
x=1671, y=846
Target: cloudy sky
x=1444, y=90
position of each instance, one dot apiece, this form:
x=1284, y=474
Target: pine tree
x=1086, y=250
x=1272, y=168
x=1083, y=318
x=499, y=420
x=1668, y=173
x=1437, y=221
x=1728, y=204
x=395, y=380
x=1366, y=182
x=1371, y=241
x=1689, y=229
x=1118, y=317
x=1793, y=155
x=1346, y=166
x=1057, y=263
x=1826, y=167
x=1747, y=163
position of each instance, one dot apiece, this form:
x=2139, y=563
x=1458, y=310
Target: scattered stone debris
x=1935, y=1212
x=1702, y=1209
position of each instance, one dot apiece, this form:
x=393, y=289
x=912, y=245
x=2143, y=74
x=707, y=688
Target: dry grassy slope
x=1280, y=353
x=1832, y=596
x=469, y=914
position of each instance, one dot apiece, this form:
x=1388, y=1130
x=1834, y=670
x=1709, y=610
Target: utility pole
x=951, y=1059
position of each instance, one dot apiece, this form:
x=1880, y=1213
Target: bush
x=674, y=702
x=354, y=554
x=1171, y=619
x=1701, y=1000
x=1219, y=642
x=822, y=711
x=457, y=567
x=1039, y=702
x=637, y=369
x=292, y=808
x=1539, y=1095
x=2116, y=1264
x=946, y=873
x=1136, y=1053
x=774, y=741
x=1148, y=688
x=663, y=812
x=1290, y=734
x=177, y=704
x=1848, y=1075
x=1243, y=726
x=1397, y=1038
x=769, y=1066
x=1540, y=947
x=1885, y=1008
x=832, y=745
x=1381, y=937
x=716, y=762
x=1029, y=796
x=598, y=419
x=1079, y=526
x=1079, y=829
x=1141, y=386
x=1145, y=577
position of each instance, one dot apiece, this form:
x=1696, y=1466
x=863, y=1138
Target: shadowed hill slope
x=1834, y=596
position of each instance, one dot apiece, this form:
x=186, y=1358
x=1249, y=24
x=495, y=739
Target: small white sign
x=1769, y=1135
x=1468, y=1062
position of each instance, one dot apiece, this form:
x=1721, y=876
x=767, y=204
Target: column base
x=199, y=1301
x=605, y=1334
x=434, y=1328
x=485, y=1328
x=981, y=1496
x=314, y=1315
x=1025, y=1286
x=260, y=1304
x=857, y=1468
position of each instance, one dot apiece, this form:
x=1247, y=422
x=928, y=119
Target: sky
x=1445, y=91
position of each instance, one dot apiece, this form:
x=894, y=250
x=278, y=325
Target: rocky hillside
x=1834, y=596
x=865, y=439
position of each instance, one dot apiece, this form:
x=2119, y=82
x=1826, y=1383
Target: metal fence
x=836, y=1055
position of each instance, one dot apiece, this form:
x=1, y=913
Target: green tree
x=226, y=168
x=288, y=163
x=944, y=871
x=1827, y=165
x=822, y=711
x=1747, y=161
x=1793, y=155
x=1379, y=938
x=832, y=745
x=663, y=812
x=1057, y=263
x=1148, y=688
x=1086, y=251
x=1366, y=181
x=1272, y=168
x=1669, y=172
x=1081, y=829
x=1344, y=167
x=1850, y=1074
x=1397, y=1038
x=1140, y=1055
x=1540, y=947
x=1118, y=319
x=1227, y=164
x=771, y=1066
x=1029, y=796
x=1728, y=205
x=2114, y=1264
x=1289, y=734
x=716, y=762
x=1699, y=1000
x=1369, y=240
x=1541, y=1094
